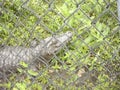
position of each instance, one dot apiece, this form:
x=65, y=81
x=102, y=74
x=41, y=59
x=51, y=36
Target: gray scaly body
x=10, y=56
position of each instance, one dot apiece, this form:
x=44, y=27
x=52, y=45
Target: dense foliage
x=94, y=46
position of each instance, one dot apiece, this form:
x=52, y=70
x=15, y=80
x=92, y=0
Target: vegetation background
x=90, y=61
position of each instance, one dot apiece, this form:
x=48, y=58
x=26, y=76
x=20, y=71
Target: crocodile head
x=51, y=45
x=10, y=56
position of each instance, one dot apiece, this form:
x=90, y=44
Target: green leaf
x=23, y=64
x=6, y=85
x=20, y=86
x=33, y=73
x=20, y=70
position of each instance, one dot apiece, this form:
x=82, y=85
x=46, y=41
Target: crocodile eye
x=54, y=41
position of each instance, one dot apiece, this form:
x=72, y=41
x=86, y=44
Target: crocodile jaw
x=54, y=44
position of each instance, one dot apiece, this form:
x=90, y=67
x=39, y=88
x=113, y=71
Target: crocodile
x=11, y=56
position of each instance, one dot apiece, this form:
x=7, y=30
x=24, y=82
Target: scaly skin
x=10, y=56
